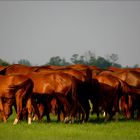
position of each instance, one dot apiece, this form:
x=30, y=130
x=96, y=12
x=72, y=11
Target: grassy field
x=126, y=130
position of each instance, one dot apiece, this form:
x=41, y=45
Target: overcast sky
x=38, y=30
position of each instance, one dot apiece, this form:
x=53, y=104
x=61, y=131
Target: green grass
x=126, y=130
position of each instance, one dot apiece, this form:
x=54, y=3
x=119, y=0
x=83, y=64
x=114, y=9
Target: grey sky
x=38, y=30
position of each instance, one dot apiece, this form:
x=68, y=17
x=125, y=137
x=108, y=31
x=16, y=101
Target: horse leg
x=66, y=106
x=116, y=108
x=87, y=110
x=29, y=107
x=47, y=112
x=60, y=112
x=19, y=106
x=48, y=107
x=36, y=111
x=81, y=111
x=95, y=107
x=74, y=107
x=2, y=111
x=107, y=117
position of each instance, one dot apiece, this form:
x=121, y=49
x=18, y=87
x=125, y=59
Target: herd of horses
x=69, y=92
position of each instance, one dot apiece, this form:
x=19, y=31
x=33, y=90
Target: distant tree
x=113, y=59
x=64, y=62
x=74, y=58
x=56, y=60
x=24, y=62
x=88, y=58
x=92, y=61
x=102, y=62
x=4, y=63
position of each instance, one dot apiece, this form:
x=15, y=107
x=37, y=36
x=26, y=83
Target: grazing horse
x=15, y=89
x=133, y=79
x=64, y=87
x=129, y=87
x=108, y=95
x=110, y=91
x=128, y=103
x=83, y=76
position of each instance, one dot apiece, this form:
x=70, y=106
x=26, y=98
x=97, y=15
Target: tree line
x=88, y=58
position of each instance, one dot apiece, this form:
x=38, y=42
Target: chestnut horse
x=14, y=88
x=83, y=76
x=108, y=95
x=128, y=103
x=60, y=85
x=110, y=91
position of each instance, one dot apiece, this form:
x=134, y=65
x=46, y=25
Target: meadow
x=121, y=130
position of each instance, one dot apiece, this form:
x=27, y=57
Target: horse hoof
x=66, y=120
x=35, y=118
x=15, y=121
x=29, y=120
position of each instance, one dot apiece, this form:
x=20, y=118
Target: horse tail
x=27, y=86
x=128, y=90
x=123, y=88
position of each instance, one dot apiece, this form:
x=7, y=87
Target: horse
x=63, y=86
x=83, y=76
x=15, y=89
x=128, y=103
x=131, y=80
x=108, y=95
